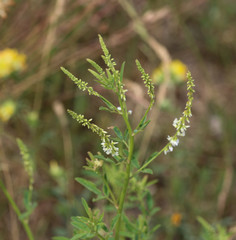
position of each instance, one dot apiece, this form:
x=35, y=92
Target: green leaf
x=105, y=190
x=143, y=120
x=143, y=123
x=147, y=170
x=154, y=211
x=83, y=235
x=80, y=223
x=89, y=185
x=118, y=133
x=155, y=228
x=97, y=76
x=87, y=208
x=122, y=71
x=114, y=221
x=149, y=201
x=95, y=65
x=87, y=235
x=25, y=215
x=134, y=162
x=109, y=104
x=105, y=109
x=26, y=199
x=205, y=224
x=100, y=197
x=150, y=183
x=129, y=225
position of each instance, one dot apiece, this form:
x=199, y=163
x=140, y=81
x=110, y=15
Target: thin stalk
x=128, y=167
x=17, y=211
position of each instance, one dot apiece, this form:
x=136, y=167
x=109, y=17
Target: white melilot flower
x=116, y=152
x=166, y=151
x=174, y=141
x=170, y=148
x=180, y=124
x=130, y=112
x=176, y=123
x=181, y=133
x=109, y=148
x=119, y=108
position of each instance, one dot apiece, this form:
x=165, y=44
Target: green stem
x=128, y=167
x=17, y=211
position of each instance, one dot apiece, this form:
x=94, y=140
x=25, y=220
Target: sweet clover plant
x=119, y=177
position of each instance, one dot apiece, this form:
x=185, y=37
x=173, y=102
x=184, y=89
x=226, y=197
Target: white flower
x=166, y=151
x=176, y=123
x=170, y=148
x=174, y=141
x=130, y=112
x=109, y=148
x=119, y=108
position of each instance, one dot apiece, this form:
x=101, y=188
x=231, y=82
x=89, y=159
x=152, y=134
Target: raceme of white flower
x=109, y=148
x=107, y=144
x=180, y=124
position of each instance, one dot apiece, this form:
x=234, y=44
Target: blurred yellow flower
x=178, y=69
x=178, y=72
x=7, y=109
x=10, y=61
x=176, y=219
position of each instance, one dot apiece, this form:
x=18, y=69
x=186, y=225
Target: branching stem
x=128, y=167
x=17, y=211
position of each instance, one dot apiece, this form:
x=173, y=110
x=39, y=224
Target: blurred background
x=168, y=37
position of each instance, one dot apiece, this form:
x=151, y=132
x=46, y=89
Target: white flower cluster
x=109, y=148
x=180, y=124
x=181, y=127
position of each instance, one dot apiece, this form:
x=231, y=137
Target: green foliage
x=29, y=205
x=119, y=181
x=213, y=233
x=200, y=169
x=28, y=165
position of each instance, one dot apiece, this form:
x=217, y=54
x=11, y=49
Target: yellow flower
x=10, y=61
x=178, y=69
x=176, y=219
x=178, y=72
x=7, y=109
